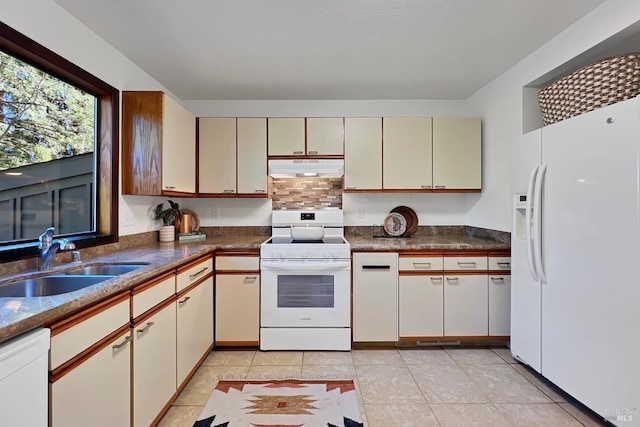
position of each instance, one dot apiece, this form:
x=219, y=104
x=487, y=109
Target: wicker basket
x=606, y=82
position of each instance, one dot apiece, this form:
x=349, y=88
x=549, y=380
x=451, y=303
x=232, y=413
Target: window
x=58, y=149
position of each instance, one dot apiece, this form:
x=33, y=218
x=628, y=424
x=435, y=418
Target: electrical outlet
x=360, y=212
x=215, y=213
x=129, y=220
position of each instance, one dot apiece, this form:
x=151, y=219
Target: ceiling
x=326, y=49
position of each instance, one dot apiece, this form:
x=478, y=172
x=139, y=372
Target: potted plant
x=169, y=217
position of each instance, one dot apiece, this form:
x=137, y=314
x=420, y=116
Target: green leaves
x=168, y=216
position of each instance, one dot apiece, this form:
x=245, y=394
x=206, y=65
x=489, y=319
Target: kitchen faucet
x=48, y=247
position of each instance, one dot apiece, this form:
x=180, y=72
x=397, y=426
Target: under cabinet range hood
x=301, y=168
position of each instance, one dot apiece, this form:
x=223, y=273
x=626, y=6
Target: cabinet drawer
x=238, y=263
x=152, y=295
x=420, y=263
x=500, y=263
x=465, y=263
x=86, y=331
x=193, y=274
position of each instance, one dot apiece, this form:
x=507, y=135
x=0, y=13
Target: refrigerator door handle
x=537, y=224
x=528, y=214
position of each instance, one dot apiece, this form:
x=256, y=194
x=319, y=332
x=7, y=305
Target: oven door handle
x=309, y=264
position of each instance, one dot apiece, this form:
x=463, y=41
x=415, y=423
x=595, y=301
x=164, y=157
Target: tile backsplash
x=306, y=193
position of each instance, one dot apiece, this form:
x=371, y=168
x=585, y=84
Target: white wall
x=51, y=26
x=500, y=104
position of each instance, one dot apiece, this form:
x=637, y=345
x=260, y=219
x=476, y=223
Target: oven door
x=305, y=293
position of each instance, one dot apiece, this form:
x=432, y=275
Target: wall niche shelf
x=625, y=41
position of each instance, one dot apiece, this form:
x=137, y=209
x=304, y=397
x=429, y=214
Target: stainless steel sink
x=106, y=269
x=50, y=285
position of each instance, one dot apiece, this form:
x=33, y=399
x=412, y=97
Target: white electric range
x=305, y=286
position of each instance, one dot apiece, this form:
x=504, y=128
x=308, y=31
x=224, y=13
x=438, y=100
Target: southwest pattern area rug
x=282, y=403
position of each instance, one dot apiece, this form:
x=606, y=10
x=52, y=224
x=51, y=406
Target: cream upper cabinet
x=406, y=147
x=178, y=148
x=363, y=153
x=233, y=156
x=457, y=153
x=252, y=156
x=217, y=155
x=325, y=136
x=286, y=136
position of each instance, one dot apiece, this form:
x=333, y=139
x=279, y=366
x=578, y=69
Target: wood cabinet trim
x=420, y=273
x=499, y=273
x=239, y=252
x=421, y=254
x=62, y=325
x=471, y=253
x=465, y=273
x=195, y=368
x=237, y=272
x=446, y=338
x=500, y=254
x=237, y=343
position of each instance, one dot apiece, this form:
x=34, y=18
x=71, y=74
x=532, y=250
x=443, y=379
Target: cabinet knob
x=611, y=120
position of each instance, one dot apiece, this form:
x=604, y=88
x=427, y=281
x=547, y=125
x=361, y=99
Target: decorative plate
x=395, y=224
x=411, y=217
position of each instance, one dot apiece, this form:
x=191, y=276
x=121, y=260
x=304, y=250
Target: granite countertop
x=426, y=242
x=19, y=315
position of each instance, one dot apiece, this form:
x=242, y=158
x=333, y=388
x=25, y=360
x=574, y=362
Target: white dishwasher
x=24, y=379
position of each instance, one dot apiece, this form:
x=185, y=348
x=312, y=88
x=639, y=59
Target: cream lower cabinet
x=421, y=297
x=375, y=297
x=90, y=362
x=237, y=292
x=499, y=295
x=465, y=305
x=194, y=325
x=154, y=349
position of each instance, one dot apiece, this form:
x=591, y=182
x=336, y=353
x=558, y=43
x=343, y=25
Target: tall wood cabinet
x=158, y=145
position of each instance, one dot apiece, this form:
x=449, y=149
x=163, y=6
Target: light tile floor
x=404, y=387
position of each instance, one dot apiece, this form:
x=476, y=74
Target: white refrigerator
x=576, y=257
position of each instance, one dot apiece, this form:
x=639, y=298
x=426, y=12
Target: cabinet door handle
x=259, y=191
x=497, y=279
x=422, y=264
x=298, y=152
x=351, y=187
x=169, y=187
x=313, y=152
x=440, y=186
x=184, y=300
x=425, y=186
x=229, y=191
x=146, y=327
x=436, y=280
x=122, y=344
x=376, y=267
x=452, y=280
x=194, y=275
x=504, y=264
x=467, y=263
x=250, y=279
